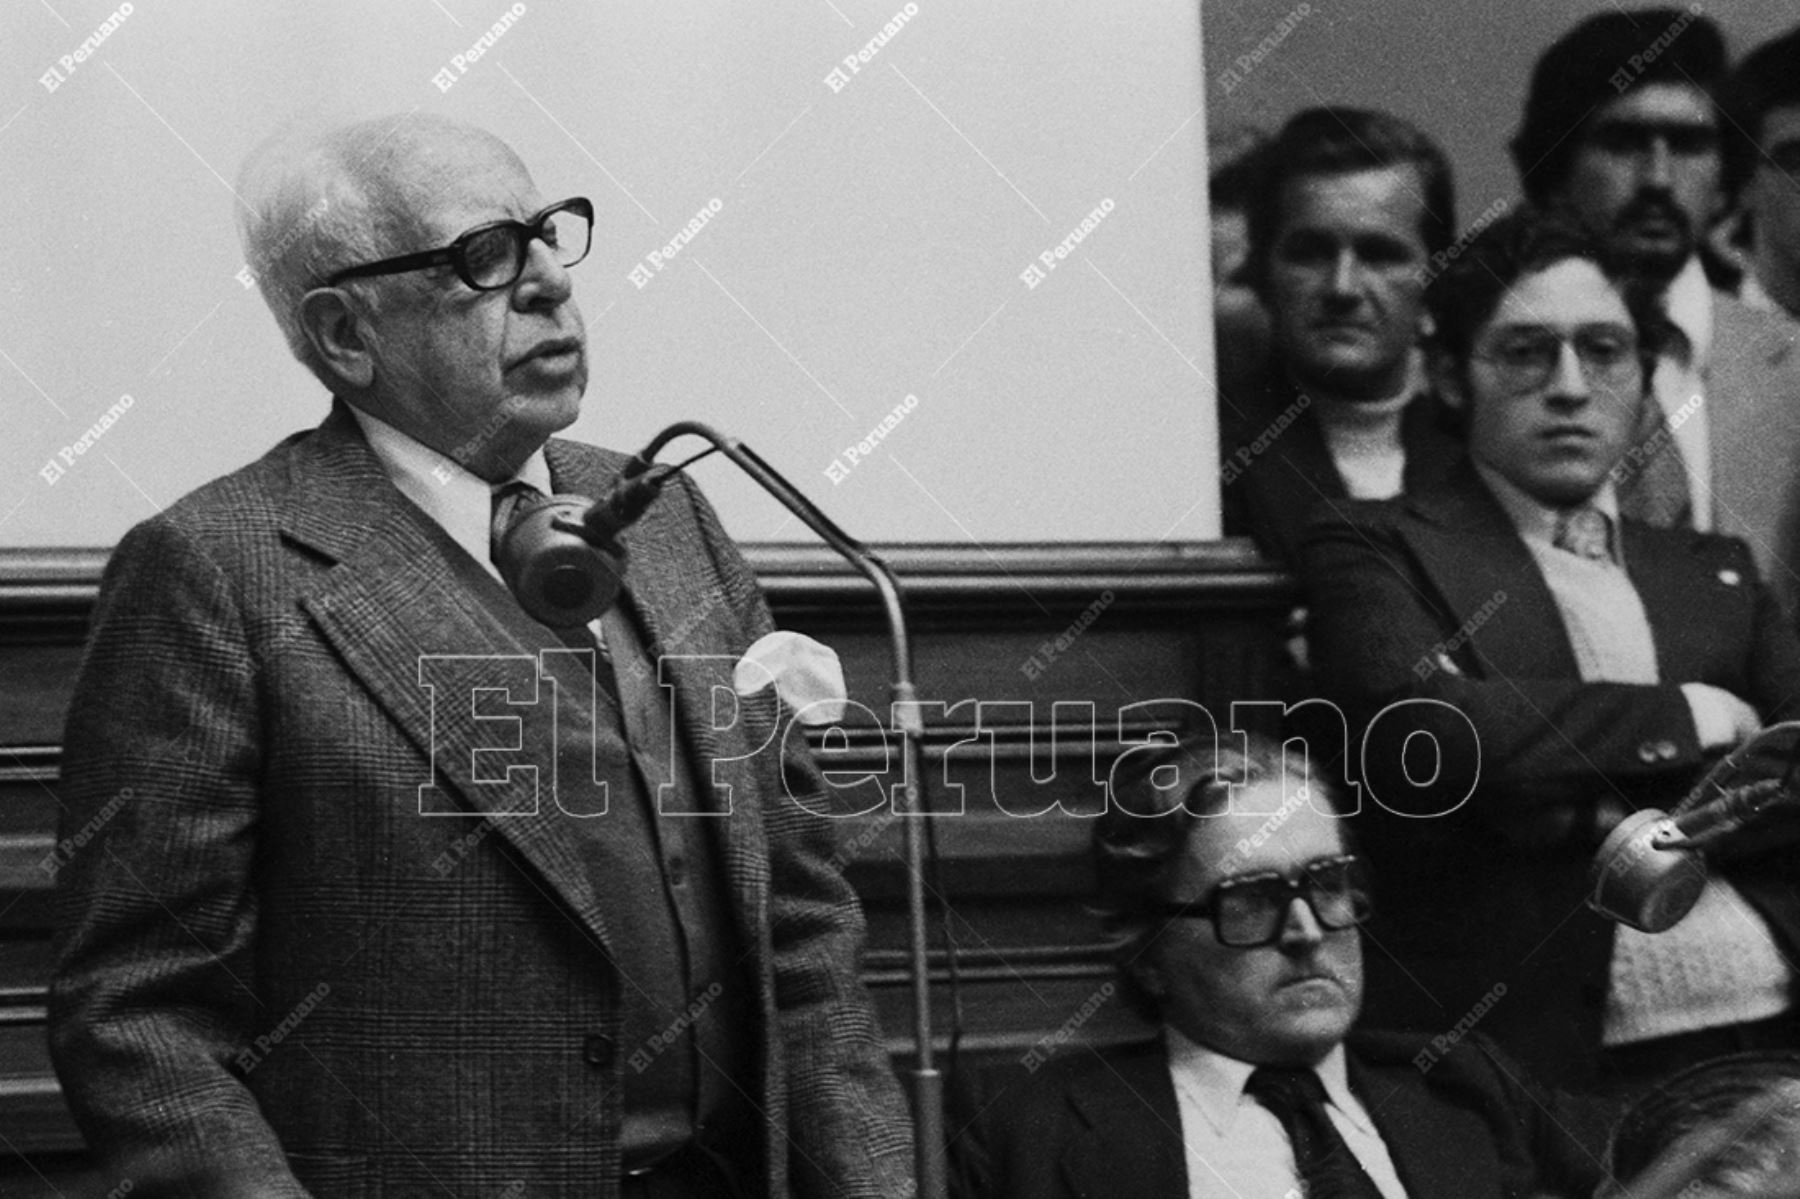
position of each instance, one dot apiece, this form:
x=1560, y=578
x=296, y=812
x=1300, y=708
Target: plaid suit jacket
x=278, y=976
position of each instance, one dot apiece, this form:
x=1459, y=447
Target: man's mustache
x=1653, y=206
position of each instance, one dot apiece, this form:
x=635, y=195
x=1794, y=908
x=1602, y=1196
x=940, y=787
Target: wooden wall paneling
x=1020, y=629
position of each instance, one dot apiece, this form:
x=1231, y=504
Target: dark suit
x=1276, y=466
x=1099, y=1123
x=255, y=679
x=1436, y=597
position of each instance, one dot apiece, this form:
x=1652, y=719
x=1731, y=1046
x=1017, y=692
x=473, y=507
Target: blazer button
x=1666, y=750
x=597, y=1050
x=1647, y=752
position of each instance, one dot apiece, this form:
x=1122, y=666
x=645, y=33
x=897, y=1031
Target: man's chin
x=1305, y=1040
x=1566, y=488
x=546, y=413
x=1654, y=259
x=1351, y=376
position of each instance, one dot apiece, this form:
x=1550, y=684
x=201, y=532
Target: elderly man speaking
x=394, y=890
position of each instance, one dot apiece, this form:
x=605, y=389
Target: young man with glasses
x=1560, y=667
x=1234, y=902
x=398, y=891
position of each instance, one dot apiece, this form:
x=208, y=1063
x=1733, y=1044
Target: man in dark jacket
x=1532, y=668
x=1235, y=900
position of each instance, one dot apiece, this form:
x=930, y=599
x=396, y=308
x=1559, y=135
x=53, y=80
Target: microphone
x=1650, y=872
x=585, y=562
x=561, y=556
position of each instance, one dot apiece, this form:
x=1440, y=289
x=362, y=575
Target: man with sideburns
x=411, y=893
x=1347, y=208
x=1623, y=130
x=1561, y=665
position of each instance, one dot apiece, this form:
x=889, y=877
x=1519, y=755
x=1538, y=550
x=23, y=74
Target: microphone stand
x=927, y=1082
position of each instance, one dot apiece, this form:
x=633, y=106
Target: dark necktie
x=1653, y=479
x=1584, y=532
x=1327, y=1168
x=507, y=499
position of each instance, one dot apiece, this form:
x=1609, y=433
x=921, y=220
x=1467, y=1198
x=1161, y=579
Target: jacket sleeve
x=1774, y=665
x=848, y=1128
x=1558, y=1140
x=1383, y=640
x=153, y=996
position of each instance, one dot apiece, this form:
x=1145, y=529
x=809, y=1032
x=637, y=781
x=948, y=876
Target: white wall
x=869, y=244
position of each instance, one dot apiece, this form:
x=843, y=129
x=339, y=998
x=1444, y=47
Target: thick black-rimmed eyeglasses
x=492, y=256
x=1249, y=910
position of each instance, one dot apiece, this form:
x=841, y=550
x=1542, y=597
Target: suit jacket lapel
x=1430, y=448
x=1467, y=547
x=1672, y=591
x=1130, y=1142
x=1437, y=1147
x=394, y=597
x=674, y=616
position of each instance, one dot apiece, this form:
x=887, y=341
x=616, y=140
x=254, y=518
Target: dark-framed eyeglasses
x=1249, y=910
x=492, y=256
x=1525, y=356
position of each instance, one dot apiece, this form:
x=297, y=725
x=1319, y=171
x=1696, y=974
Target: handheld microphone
x=1650, y=871
x=561, y=557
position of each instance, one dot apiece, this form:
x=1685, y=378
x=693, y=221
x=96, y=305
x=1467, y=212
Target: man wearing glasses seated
x=1233, y=900
x=1545, y=668
x=396, y=890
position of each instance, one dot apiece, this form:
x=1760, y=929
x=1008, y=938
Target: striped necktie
x=1584, y=532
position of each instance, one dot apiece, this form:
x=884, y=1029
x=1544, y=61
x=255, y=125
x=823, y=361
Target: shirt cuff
x=1713, y=718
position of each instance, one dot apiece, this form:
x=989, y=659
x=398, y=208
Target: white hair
x=319, y=199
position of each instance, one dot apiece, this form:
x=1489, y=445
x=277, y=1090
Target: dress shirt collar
x=1217, y=1082
x=1536, y=520
x=461, y=503
x=1689, y=304
x=1752, y=294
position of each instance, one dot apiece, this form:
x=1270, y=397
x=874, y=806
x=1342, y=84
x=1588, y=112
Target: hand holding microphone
x=1649, y=871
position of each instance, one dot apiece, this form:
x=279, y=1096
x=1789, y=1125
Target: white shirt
x=1365, y=445
x=1689, y=304
x=1752, y=294
x=1601, y=610
x=1236, y=1146
x=460, y=503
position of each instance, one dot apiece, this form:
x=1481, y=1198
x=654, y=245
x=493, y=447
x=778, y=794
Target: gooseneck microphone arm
x=642, y=472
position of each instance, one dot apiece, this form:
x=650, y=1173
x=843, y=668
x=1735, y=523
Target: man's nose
x=1569, y=384
x=544, y=282
x=1344, y=272
x=1658, y=169
x=1301, y=929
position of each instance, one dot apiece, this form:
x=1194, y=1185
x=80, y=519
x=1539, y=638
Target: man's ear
x=1448, y=379
x=331, y=324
